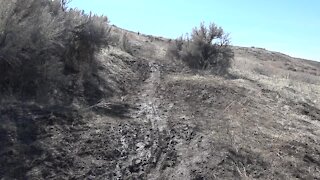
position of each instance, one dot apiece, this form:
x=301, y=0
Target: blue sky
x=288, y=26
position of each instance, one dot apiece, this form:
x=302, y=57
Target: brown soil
x=165, y=121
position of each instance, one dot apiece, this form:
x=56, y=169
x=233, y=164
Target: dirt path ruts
x=149, y=101
x=152, y=114
x=150, y=151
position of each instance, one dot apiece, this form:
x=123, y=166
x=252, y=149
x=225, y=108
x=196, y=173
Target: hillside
x=154, y=118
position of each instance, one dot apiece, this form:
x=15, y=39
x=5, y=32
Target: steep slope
x=164, y=121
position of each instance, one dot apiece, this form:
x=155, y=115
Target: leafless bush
x=206, y=48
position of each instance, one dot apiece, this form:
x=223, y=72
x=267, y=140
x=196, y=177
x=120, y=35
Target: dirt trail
x=150, y=113
x=149, y=104
x=160, y=120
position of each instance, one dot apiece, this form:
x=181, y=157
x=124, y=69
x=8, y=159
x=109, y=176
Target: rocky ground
x=165, y=121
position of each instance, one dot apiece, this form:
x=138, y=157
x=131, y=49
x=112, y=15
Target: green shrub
x=206, y=48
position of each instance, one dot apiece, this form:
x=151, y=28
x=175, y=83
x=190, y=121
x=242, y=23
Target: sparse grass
x=275, y=76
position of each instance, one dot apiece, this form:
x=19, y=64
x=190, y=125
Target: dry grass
x=275, y=76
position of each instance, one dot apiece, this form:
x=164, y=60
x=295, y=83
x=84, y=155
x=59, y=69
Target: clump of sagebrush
x=125, y=44
x=42, y=41
x=206, y=48
x=121, y=40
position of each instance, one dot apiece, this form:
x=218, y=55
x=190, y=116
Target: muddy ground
x=168, y=122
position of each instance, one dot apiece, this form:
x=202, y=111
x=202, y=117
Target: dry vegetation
x=42, y=44
x=84, y=100
x=206, y=48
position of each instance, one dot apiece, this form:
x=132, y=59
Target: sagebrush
x=206, y=48
x=42, y=42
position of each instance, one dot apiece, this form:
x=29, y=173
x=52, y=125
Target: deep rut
x=148, y=158
x=149, y=103
x=150, y=106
